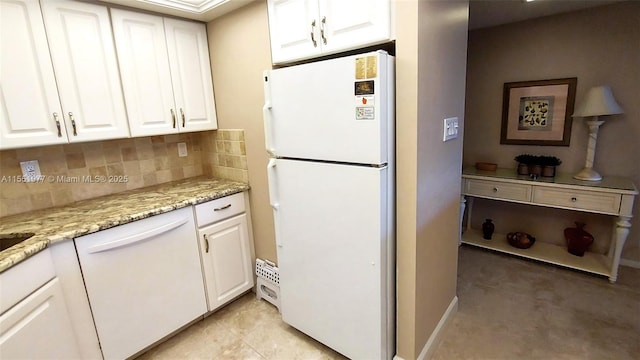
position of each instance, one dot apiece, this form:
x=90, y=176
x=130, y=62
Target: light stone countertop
x=88, y=216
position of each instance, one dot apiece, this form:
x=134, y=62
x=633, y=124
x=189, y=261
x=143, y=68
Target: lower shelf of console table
x=612, y=196
x=540, y=251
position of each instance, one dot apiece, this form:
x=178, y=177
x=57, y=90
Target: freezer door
x=336, y=110
x=332, y=237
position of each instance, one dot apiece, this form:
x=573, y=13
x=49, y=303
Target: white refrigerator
x=329, y=130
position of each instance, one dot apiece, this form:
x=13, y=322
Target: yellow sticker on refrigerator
x=366, y=67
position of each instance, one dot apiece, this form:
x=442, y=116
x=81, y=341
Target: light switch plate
x=182, y=149
x=450, y=129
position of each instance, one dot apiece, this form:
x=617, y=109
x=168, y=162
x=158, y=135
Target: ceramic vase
x=487, y=229
x=549, y=171
x=535, y=170
x=523, y=169
x=578, y=240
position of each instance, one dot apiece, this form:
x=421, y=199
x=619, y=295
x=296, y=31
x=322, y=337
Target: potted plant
x=524, y=160
x=549, y=164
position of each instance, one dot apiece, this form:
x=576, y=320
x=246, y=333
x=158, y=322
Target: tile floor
x=245, y=329
x=509, y=308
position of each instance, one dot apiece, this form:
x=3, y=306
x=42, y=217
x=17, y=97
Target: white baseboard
x=630, y=263
x=434, y=339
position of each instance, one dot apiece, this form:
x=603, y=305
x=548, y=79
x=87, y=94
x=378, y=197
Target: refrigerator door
x=335, y=110
x=333, y=236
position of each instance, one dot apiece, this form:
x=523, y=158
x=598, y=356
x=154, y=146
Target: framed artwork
x=538, y=112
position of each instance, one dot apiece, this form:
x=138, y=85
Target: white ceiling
x=486, y=13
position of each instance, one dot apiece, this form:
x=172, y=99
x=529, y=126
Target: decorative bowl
x=520, y=240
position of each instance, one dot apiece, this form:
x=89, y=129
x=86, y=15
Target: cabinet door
x=349, y=24
x=84, y=61
x=29, y=97
x=294, y=29
x=191, y=75
x=144, y=67
x=226, y=259
x=38, y=327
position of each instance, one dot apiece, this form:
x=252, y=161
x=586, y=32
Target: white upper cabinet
x=293, y=26
x=191, y=74
x=166, y=74
x=302, y=29
x=352, y=23
x=28, y=94
x=86, y=70
x=146, y=78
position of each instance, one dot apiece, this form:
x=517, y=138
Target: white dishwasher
x=143, y=280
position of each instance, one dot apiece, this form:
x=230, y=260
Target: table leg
x=622, y=231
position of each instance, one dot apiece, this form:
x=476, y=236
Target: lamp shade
x=599, y=101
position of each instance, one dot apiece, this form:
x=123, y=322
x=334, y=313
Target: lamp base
x=588, y=174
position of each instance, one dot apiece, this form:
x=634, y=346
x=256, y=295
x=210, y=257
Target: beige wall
x=598, y=46
x=240, y=51
x=406, y=176
x=431, y=58
x=430, y=87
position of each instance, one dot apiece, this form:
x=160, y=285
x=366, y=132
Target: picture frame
x=538, y=112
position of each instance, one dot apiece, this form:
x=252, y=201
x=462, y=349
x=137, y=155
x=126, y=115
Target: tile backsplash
x=225, y=155
x=75, y=172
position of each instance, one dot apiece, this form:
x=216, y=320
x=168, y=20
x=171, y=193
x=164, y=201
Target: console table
x=612, y=196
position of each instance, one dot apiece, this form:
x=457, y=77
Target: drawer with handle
x=600, y=202
x=498, y=190
x=219, y=209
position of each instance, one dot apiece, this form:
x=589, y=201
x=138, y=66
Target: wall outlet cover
x=30, y=170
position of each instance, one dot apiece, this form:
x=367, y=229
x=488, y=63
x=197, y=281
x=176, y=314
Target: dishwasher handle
x=146, y=235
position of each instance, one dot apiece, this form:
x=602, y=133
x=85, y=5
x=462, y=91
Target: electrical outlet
x=450, y=129
x=30, y=170
x=182, y=149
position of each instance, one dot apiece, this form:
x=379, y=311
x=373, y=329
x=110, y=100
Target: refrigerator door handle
x=271, y=174
x=266, y=114
x=272, y=178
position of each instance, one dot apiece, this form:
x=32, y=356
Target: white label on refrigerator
x=365, y=113
x=363, y=100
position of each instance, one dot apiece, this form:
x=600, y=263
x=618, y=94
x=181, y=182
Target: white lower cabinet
x=128, y=286
x=225, y=246
x=226, y=260
x=143, y=279
x=38, y=325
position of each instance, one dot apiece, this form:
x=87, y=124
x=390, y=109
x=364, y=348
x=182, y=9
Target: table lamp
x=598, y=102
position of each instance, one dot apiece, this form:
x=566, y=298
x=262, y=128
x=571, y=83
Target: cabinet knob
x=313, y=38
x=495, y=189
x=574, y=199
